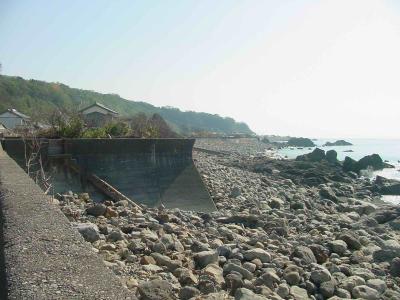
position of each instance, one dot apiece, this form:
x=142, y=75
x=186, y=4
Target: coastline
x=283, y=230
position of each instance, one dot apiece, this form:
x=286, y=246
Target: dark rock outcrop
x=300, y=142
x=386, y=186
x=338, y=143
x=315, y=156
x=373, y=161
x=331, y=156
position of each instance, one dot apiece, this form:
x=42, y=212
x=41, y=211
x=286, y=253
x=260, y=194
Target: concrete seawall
x=41, y=255
x=149, y=171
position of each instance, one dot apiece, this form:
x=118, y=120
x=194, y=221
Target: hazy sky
x=304, y=68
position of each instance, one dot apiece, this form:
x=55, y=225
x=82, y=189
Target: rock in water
x=300, y=142
x=338, y=143
x=156, y=290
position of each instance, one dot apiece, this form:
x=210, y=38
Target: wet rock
x=156, y=290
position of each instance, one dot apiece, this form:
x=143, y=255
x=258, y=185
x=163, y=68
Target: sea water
x=388, y=149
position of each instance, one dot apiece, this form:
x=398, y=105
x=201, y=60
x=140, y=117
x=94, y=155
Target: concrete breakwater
x=148, y=171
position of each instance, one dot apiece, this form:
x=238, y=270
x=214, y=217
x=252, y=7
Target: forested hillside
x=39, y=99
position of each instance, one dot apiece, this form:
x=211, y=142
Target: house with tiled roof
x=12, y=119
x=97, y=115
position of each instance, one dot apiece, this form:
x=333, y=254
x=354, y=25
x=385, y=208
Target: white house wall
x=10, y=120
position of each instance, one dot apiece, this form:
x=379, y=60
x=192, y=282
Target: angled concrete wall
x=42, y=256
x=149, y=171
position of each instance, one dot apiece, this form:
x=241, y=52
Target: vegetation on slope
x=39, y=99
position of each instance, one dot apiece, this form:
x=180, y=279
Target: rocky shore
x=283, y=230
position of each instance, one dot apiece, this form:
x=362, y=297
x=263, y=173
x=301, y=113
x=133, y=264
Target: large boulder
x=350, y=165
x=331, y=156
x=386, y=186
x=374, y=161
x=316, y=156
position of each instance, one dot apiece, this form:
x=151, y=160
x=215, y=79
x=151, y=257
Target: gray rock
x=293, y=278
x=377, y=284
x=283, y=290
x=365, y=292
x=320, y=275
x=395, y=266
x=342, y=293
x=163, y=260
x=188, y=292
x=204, y=258
x=351, y=241
x=89, y=231
x=305, y=254
x=259, y=253
x=234, y=282
x=338, y=246
x=320, y=252
x=156, y=290
x=229, y=267
x=96, y=210
x=245, y=294
x=298, y=293
x=115, y=236
x=327, y=288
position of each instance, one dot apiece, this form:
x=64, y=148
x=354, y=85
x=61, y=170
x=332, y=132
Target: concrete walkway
x=42, y=256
